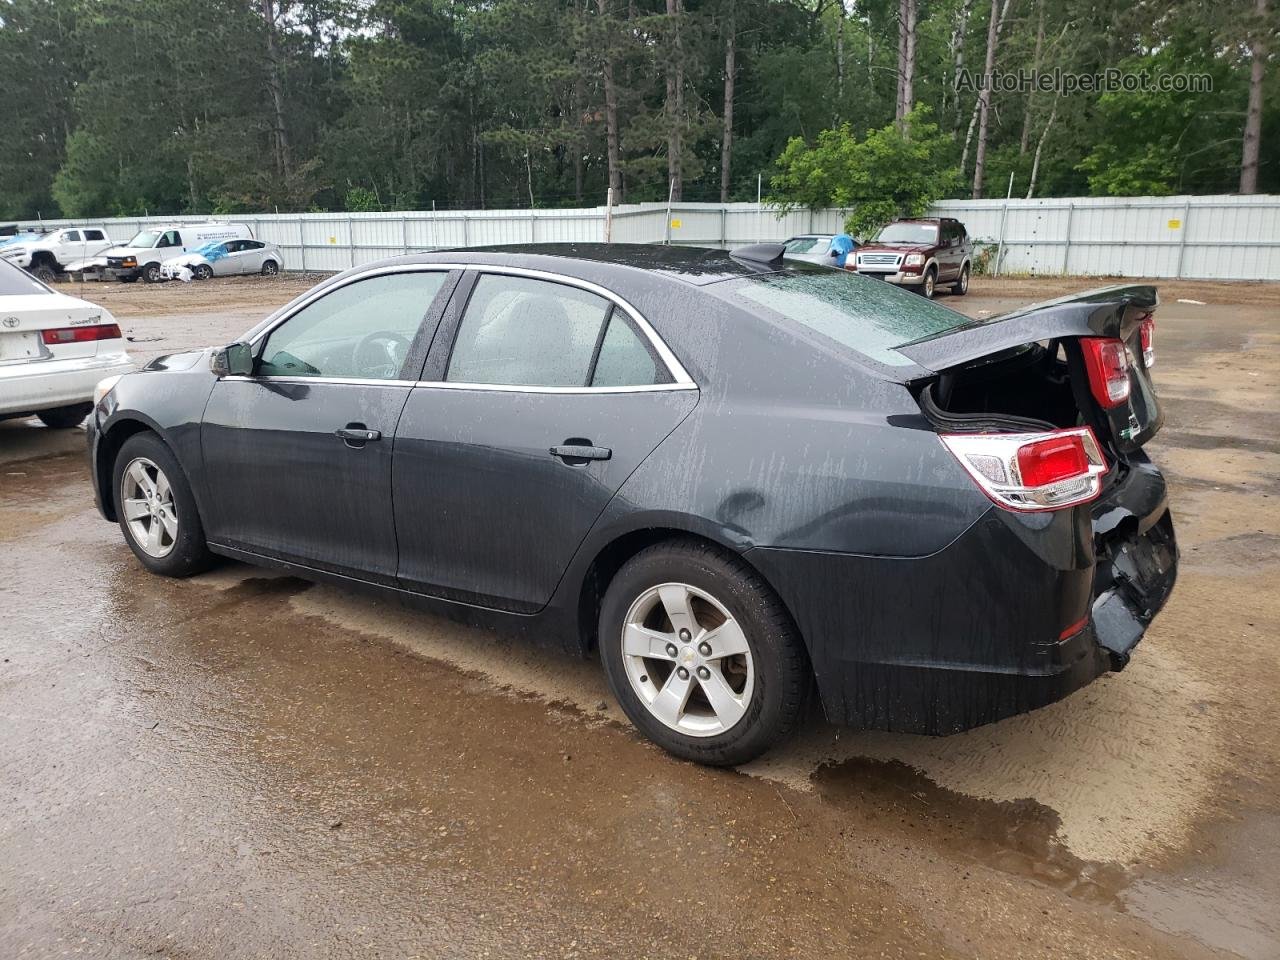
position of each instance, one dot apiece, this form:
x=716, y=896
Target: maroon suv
x=919, y=253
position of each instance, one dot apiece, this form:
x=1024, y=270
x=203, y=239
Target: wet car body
x=923, y=606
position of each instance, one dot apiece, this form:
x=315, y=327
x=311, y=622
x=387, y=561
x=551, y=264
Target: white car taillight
x=1147, y=333
x=1107, y=362
x=1032, y=471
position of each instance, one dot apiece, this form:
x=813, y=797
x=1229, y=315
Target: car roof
x=590, y=261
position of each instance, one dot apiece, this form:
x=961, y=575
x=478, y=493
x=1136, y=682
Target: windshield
x=144, y=238
x=807, y=244
x=863, y=314
x=15, y=282
x=908, y=233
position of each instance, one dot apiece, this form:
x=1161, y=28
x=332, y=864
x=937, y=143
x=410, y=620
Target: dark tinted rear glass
x=15, y=282
x=864, y=314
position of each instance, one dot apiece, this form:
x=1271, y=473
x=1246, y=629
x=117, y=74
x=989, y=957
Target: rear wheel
x=701, y=654
x=64, y=418
x=156, y=510
x=270, y=268
x=202, y=271
x=961, y=286
x=151, y=273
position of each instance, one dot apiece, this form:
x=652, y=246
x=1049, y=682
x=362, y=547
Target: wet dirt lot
x=248, y=765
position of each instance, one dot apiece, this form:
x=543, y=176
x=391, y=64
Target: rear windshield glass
x=862, y=313
x=807, y=244
x=15, y=282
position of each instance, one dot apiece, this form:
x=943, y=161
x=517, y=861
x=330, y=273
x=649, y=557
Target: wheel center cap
x=688, y=656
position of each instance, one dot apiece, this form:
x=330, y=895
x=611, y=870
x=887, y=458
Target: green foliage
x=362, y=200
x=168, y=106
x=885, y=175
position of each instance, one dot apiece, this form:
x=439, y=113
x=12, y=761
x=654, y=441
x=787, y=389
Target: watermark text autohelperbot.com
x=1065, y=83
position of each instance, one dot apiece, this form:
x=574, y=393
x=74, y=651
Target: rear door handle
x=570, y=452
x=355, y=434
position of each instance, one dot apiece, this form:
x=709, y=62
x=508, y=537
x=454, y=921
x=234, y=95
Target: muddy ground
x=247, y=765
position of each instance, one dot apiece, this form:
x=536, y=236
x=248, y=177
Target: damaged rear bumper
x=973, y=633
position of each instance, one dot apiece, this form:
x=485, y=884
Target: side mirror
x=235, y=360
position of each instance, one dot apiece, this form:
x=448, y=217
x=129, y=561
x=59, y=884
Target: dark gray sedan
x=740, y=478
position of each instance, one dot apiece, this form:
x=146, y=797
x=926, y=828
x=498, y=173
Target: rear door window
x=861, y=313
x=94, y=235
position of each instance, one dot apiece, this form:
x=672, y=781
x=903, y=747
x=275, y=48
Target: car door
x=250, y=256
x=226, y=261
x=539, y=399
x=298, y=455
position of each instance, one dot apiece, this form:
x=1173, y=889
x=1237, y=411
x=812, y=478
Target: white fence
x=1224, y=237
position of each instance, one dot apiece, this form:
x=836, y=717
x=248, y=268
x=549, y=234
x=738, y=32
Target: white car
x=49, y=255
x=224, y=259
x=54, y=349
x=813, y=247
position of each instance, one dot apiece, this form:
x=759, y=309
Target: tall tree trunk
x=957, y=52
x=675, y=102
x=275, y=86
x=611, y=113
x=984, y=95
x=902, y=57
x=909, y=67
x=1035, y=160
x=1035, y=69
x=839, y=63
x=1253, y=117
x=726, y=141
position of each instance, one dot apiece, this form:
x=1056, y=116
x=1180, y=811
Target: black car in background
x=732, y=474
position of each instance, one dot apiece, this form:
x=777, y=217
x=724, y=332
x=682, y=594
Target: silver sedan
x=226, y=258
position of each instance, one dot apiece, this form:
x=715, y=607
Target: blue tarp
x=20, y=238
x=842, y=244
x=212, y=251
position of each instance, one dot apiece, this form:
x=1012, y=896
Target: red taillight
x=1032, y=471
x=1147, y=332
x=1051, y=460
x=1107, y=362
x=99, y=331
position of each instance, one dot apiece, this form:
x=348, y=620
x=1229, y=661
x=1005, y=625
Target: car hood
x=903, y=248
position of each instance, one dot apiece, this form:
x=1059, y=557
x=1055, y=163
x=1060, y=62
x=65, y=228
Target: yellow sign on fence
x=1175, y=224
x=675, y=224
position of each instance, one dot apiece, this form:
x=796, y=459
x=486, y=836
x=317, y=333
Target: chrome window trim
x=456, y=385
x=680, y=377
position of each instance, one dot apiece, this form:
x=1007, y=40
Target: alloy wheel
x=687, y=659
x=147, y=501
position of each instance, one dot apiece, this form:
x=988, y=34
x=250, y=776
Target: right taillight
x=1032, y=471
x=1147, y=333
x=1107, y=362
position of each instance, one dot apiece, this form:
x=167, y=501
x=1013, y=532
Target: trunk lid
x=24, y=318
x=1110, y=312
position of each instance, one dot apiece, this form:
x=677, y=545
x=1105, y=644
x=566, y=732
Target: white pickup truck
x=49, y=255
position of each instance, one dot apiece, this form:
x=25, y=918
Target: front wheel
x=156, y=510
x=151, y=273
x=701, y=654
x=44, y=272
x=202, y=271
x=930, y=285
x=961, y=286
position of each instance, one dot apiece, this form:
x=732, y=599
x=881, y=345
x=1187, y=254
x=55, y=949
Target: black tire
x=151, y=273
x=44, y=271
x=930, y=285
x=270, y=268
x=202, y=271
x=783, y=678
x=189, y=553
x=64, y=418
x=961, y=286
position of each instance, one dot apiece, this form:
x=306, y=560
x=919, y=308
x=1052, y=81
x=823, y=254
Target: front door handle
x=579, y=453
x=357, y=434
